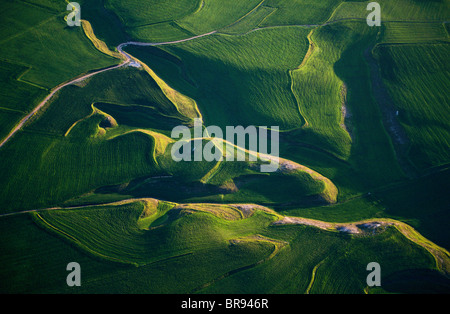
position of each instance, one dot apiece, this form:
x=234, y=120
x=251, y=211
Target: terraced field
x=87, y=172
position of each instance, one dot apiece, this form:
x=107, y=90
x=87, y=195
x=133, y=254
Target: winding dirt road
x=128, y=60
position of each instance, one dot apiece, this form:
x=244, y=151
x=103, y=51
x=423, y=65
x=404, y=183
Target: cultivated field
x=87, y=174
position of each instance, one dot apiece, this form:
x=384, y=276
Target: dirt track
x=128, y=60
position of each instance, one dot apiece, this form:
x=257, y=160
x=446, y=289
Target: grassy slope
x=322, y=107
x=401, y=10
x=152, y=20
x=57, y=169
x=63, y=159
x=66, y=136
x=136, y=12
x=124, y=86
x=254, y=67
x=219, y=248
x=54, y=52
x=250, y=21
x=417, y=78
x=372, y=153
x=16, y=98
x=421, y=203
x=106, y=24
x=38, y=48
x=299, y=12
x=216, y=14
x=356, y=164
x=318, y=91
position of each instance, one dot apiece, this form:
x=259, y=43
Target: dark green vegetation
x=422, y=102
x=314, y=68
x=197, y=251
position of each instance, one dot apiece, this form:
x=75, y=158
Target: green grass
x=106, y=24
x=71, y=153
x=108, y=139
x=48, y=4
x=372, y=152
x=250, y=21
x=342, y=263
x=41, y=265
x=136, y=12
x=401, y=10
x=16, y=97
x=365, y=160
x=161, y=32
x=346, y=272
x=54, y=51
x=8, y=119
x=318, y=91
x=201, y=251
x=126, y=92
x=421, y=203
x=150, y=21
x=299, y=12
x=57, y=169
x=241, y=80
x=73, y=129
x=217, y=14
x=417, y=79
x=15, y=94
x=400, y=33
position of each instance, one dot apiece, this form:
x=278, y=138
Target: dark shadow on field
x=416, y=281
x=259, y=189
x=227, y=94
x=141, y=116
x=106, y=23
x=423, y=203
x=164, y=188
x=372, y=154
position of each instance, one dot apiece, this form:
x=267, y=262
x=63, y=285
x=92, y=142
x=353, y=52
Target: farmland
x=88, y=175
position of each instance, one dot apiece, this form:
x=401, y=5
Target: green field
x=364, y=143
x=253, y=68
x=423, y=104
x=254, y=255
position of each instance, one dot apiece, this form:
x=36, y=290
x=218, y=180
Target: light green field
x=217, y=14
x=299, y=12
x=400, y=33
x=161, y=32
x=251, y=21
x=107, y=25
x=131, y=145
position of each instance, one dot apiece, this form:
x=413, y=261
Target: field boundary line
x=313, y=275
x=244, y=16
x=439, y=254
x=31, y=28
